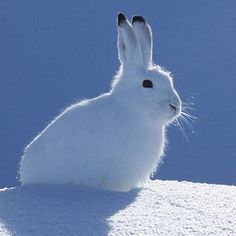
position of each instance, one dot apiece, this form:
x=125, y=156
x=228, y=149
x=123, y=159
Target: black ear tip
x=121, y=18
x=138, y=19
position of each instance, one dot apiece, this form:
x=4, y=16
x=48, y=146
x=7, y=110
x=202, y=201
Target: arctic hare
x=116, y=140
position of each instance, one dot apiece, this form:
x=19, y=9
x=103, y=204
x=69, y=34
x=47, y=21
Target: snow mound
x=159, y=208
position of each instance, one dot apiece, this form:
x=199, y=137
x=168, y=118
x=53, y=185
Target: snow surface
x=159, y=208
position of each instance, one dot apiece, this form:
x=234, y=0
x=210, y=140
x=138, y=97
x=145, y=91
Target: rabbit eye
x=147, y=83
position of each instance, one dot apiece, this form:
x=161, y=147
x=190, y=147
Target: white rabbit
x=116, y=140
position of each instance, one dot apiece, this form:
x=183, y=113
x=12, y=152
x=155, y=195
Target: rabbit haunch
x=114, y=141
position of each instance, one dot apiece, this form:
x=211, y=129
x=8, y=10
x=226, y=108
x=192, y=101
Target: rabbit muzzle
x=175, y=106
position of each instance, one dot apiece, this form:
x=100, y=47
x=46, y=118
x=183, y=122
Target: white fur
x=113, y=141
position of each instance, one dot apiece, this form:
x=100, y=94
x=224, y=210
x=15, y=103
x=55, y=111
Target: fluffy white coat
x=114, y=141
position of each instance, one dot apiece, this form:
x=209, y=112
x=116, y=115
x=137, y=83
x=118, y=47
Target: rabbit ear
x=143, y=34
x=126, y=39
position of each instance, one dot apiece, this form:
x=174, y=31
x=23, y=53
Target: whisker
x=186, y=119
x=182, y=131
x=175, y=122
x=187, y=103
x=186, y=115
x=188, y=108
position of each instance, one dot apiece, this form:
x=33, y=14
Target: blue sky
x=54, y=53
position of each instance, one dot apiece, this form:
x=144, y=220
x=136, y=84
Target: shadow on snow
x=57, y=210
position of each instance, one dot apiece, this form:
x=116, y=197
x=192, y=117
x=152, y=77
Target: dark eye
x=147, y=83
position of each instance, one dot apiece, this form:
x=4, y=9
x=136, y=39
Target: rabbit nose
x=173, y=107
x=175, y=103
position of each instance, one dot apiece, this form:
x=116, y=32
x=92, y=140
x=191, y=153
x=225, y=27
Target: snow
x=158, y=208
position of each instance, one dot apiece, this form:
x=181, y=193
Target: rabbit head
x=143, y=86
